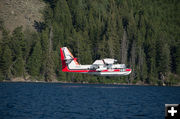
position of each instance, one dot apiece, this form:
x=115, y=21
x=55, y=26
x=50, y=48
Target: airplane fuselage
x=105, y=67
x=104, y=72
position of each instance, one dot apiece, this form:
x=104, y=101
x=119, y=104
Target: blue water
x=84, y=101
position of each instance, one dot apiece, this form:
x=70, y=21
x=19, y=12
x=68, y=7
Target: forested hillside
x=144, y=34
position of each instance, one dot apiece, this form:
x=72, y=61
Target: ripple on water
x=54, y=101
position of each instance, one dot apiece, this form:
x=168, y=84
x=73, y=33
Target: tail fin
x=67, y=59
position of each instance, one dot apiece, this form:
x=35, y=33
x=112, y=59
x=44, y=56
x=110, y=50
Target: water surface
x=84, y=101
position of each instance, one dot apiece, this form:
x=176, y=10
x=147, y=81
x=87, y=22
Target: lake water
x=84, y=101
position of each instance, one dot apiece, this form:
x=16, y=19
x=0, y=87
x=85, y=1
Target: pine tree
x=5, y=62
x=102, y=48
x=164, y=64
x=18, y=48
x=178, y=61
x=18, y=67
x=34, y=61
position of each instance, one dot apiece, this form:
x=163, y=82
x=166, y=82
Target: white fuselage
x=104, y=67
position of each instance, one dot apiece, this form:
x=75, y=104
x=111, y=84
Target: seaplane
x=103, y=67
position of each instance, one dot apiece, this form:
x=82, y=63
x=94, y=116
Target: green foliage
x=18, y=67
x=18, y=47
x=142, y=34
x=178, y=60
x=34, y=61
x=5, y=62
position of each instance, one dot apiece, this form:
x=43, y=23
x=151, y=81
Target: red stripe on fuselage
x=65, y=67
x=128, y=69
x=111, y=70
x=67, y=70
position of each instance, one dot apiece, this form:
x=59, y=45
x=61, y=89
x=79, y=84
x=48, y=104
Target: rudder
x=67, y=59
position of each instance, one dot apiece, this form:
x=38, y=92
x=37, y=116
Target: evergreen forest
x=143, y=34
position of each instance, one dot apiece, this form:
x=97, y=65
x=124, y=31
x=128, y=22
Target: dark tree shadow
x=39, y=26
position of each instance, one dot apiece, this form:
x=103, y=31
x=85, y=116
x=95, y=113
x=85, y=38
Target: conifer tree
x=164, y=63
x=18, y=47
x=34, y=61
x=5, y=62
x=18, y=67
x=178, y=61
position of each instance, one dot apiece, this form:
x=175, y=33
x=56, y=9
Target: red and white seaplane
x=104, y=67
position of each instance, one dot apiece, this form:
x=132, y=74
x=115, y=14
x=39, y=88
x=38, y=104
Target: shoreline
x=65, y=82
